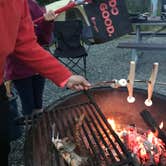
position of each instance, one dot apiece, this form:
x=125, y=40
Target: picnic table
x=140, y=43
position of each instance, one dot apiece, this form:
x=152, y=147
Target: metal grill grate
x=94, y=139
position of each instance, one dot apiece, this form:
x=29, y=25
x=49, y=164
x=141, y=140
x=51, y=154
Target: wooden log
x=150, y=121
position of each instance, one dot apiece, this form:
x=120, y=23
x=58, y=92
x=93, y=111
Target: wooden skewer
x=130, y=82
x=113, y=83
x=151, y=83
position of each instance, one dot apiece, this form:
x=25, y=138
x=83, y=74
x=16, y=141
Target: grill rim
x=65, y=98
x=137, y=90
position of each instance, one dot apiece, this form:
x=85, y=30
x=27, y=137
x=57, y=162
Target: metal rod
x=61, y=124
x=66, y=122
x=96, y=140
x=34, y=143
x=113, y=83
x=100, y=134
x=84, y=142
x=47, y=131
x=131, y=160
x=106, y=133
x=88, y=138
x=123, y=147
x=40, y=141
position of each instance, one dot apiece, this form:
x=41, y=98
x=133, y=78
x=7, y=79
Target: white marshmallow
x=148, y=102
x=131, y=99
x=122, y=82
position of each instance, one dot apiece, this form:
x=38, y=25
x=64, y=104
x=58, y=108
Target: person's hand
x=50, y=16
x=77, y=82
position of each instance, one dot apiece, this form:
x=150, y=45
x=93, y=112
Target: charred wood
x=150, y=121
x=162, y=160
x=66, y=150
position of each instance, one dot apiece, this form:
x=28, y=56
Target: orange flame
x=143, y=145
x=112, y=123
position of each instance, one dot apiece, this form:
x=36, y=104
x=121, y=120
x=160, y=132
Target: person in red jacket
x=28, y=83
x=18, y=38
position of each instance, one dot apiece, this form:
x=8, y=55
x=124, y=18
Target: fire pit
x=94, y=138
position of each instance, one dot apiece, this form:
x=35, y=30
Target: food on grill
x=66, y=149
x=77, y=137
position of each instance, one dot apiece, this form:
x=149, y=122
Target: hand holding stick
x=70, y=5
x=151, y=83
x=130, y=82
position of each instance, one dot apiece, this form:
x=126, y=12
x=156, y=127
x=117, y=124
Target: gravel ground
x=104, y=62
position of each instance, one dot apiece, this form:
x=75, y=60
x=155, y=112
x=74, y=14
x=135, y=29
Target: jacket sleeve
x=30, y=52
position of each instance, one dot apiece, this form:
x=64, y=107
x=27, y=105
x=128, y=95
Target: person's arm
x=28, y=50
x=44, y=28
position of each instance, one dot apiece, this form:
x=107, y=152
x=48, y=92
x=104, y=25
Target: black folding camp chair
x=69, y=48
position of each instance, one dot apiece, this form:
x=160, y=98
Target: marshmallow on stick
x=151, y=83
x=130, y=82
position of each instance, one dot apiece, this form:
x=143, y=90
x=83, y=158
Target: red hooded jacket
x=17, y=37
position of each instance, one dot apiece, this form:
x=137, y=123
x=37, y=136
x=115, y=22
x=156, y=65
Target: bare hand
x=77, y=82
x=50, y=16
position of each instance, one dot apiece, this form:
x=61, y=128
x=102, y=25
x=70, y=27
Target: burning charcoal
x=135, y=159
x=162, y=161
x=149, y=163
x=148, y=146
x=133, y=125
x=153, y=125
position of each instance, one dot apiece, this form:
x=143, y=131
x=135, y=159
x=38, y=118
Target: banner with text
x=109, y=19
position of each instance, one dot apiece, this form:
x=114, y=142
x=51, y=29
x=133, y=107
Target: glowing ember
x=146, y=146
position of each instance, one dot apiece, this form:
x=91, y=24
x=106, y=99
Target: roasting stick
x=146, y=81
x=151, y=83
x=70, y=5
x=122, y=83
x=113, y=83
x=130, y=82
